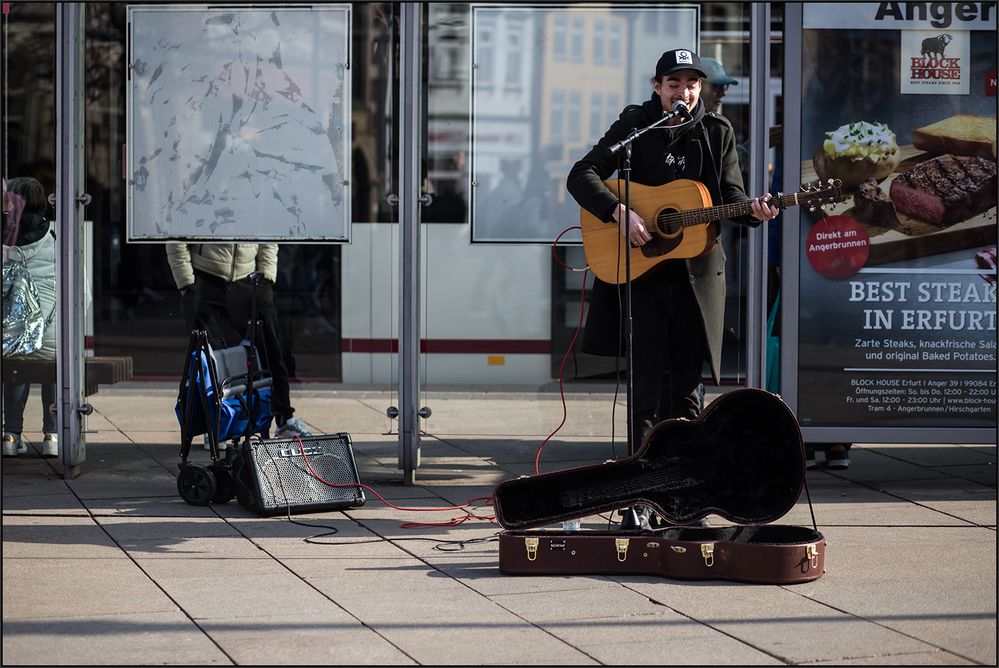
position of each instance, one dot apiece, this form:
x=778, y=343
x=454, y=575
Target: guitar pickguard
x=660, y=246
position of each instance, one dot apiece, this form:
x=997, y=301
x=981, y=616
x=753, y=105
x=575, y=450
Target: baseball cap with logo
x=716, y=74
x=679, y=59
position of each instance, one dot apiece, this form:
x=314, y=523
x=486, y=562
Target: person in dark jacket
x=678, y=307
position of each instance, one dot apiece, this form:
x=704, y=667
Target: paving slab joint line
x=316, y=589
x=868, y=620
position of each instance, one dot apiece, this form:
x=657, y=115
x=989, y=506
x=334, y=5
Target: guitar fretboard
x=673, y=219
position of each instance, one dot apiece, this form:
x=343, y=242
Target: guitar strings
x=673, y=220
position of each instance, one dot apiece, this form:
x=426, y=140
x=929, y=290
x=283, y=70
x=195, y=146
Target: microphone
x=679, y=107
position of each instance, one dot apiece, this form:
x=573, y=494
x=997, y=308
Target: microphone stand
x=631, y=519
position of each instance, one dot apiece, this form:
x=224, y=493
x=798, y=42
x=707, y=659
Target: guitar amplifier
x=273, y=476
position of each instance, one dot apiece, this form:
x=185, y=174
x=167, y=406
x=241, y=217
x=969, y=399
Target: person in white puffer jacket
x=34, y=238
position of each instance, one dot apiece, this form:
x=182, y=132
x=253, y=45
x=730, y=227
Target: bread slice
x=962, y=134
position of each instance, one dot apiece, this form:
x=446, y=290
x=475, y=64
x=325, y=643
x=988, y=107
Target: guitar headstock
x=821, y=192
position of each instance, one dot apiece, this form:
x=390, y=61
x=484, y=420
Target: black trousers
x=223, y=310
x=670, y=347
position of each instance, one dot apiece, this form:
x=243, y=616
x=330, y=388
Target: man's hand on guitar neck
x=762, y=210
x=637, y=235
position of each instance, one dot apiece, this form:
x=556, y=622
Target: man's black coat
x=713, y=162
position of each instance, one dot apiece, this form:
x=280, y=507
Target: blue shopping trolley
x=224, y=394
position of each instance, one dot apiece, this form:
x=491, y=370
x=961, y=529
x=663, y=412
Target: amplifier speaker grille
x=275, y=477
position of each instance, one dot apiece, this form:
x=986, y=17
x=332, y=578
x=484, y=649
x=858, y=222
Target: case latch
x=708, y=552
x=812, y=554
x=622, y=548
x=532, y=548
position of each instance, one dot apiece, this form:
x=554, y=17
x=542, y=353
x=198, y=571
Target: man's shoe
x=838, y=456
x=293, y=427
x=814, y=458
x=50, y=446
x=13, y=445
x=222, y=445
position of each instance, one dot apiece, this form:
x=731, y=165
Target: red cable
x=565, y=358
x=462, y=519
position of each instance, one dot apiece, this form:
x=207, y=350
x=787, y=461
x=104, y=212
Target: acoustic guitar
x=681, y=220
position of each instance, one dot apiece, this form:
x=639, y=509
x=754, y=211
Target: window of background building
x=559, y=37
x=484, y=67
x=614, y=44
x=576, y=40
x=557, y=117
x=575, y=111
x=599, y=41
x=514, y=54
x=596, y=113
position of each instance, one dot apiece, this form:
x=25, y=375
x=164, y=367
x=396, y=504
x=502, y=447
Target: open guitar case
x=742, y=459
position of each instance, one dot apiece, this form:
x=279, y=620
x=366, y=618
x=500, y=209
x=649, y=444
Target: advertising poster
x=897, y=301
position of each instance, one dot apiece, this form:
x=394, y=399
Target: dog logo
x=935, y=45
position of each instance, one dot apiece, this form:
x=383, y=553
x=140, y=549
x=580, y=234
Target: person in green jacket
x=678, y=307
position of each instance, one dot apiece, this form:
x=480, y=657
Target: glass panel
x=526, y=137
x=336, y=317
x=370, y=263
x=501, y=316
x=495, y=315
x=30, y=397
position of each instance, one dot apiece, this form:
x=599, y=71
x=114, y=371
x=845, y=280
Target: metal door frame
x=410, y=104
x=70, y=200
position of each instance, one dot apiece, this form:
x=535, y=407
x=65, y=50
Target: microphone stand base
x=631, y=519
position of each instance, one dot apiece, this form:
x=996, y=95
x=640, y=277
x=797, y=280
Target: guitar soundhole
x=668, y=223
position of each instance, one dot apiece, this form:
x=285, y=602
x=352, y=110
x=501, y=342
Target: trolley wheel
x=225, y=486
x=196, y=484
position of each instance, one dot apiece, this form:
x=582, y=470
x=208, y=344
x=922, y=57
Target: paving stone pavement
x=113, y=568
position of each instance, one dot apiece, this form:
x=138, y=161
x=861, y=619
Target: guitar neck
x=713, y=213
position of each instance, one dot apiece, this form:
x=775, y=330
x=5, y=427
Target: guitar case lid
x=742, y=458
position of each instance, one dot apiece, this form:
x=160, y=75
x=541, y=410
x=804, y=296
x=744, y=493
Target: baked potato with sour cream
x=856, y=152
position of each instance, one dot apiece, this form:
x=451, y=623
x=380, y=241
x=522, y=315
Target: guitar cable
x=572, y=343
x=439, y=544
x=575, y=336
x=469, y=514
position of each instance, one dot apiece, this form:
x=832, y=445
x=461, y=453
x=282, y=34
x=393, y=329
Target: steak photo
x=871, y=205
x=946, y=189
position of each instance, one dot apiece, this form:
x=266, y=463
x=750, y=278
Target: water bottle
x=572, y=525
